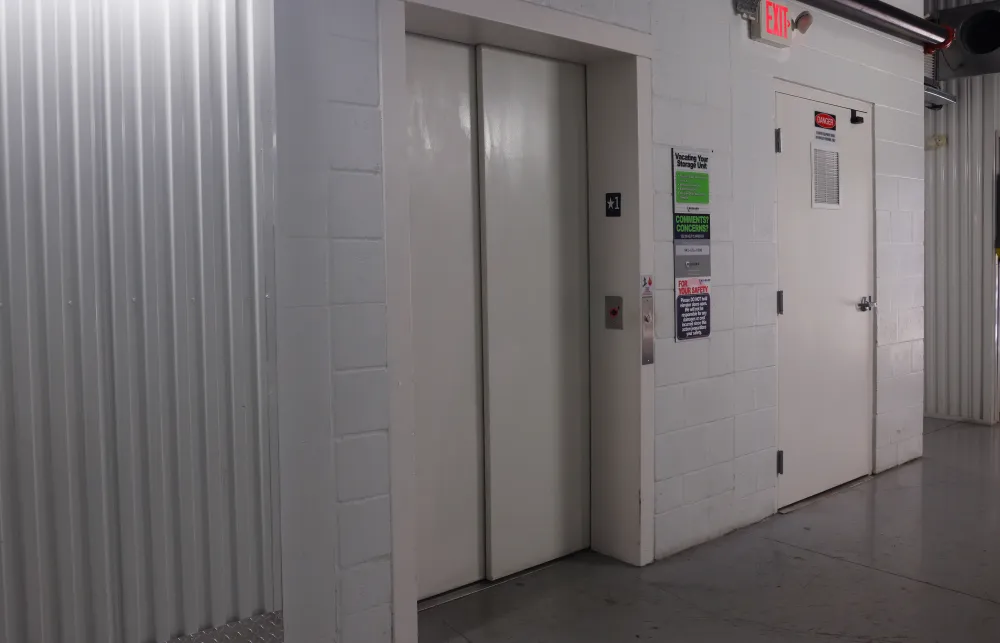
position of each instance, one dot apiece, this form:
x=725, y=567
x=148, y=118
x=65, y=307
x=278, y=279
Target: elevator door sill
x=475, y=588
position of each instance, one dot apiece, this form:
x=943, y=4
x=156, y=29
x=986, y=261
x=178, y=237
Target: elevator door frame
x=619, y=112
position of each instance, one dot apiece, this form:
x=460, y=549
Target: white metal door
x=534, y=219
x=444, y=200
x=826, y=345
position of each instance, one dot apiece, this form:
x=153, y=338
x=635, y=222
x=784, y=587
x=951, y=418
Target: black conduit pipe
x=886, y=18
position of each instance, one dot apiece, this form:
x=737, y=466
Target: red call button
x=777, y=22
x=614, y=312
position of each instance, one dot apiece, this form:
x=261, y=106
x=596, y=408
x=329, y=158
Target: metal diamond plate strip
x=264, y=628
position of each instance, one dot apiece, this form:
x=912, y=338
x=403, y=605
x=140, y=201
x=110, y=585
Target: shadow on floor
x=911, y=555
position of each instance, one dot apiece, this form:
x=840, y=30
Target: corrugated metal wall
x=136, y=476
x=961, y=277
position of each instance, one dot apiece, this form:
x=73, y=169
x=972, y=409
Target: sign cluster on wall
x=692, y=177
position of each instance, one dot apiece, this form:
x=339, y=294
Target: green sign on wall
x=692, y=187
x=692, y=226
x=692, y=171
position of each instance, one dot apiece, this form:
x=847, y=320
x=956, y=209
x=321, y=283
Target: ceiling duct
x=977, y=41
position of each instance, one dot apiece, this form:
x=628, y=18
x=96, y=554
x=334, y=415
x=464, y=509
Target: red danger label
x=826, y=121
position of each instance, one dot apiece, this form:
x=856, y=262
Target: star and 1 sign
x=613, y=204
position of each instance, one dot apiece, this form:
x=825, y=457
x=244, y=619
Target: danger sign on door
x=826, y=121
x=826, y=127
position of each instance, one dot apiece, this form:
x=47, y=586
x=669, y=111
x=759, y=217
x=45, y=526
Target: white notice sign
x=646, y=289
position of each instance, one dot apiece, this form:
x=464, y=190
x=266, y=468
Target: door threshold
x=829, y=492
x=479, y=586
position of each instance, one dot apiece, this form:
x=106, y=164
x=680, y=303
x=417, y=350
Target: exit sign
x=773, y=24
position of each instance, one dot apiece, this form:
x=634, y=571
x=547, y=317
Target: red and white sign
x=826, y=121
x=694, y=286
x=693, y=304
x=773, y=25
x=647, y=286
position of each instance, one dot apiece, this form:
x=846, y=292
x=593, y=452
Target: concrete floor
x=910, y=556
x=932, y=425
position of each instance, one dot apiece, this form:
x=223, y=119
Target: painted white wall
x=714, y=411
x=715, y=405
x=618, y=383
x=633, y=14
x=333, y=382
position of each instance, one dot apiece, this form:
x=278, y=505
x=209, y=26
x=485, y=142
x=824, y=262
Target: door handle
x=866, y=304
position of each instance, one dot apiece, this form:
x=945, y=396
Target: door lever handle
x=866, y=304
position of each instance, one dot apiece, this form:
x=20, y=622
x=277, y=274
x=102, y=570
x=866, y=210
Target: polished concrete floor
x=910, y=556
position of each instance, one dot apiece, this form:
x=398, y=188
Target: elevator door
x=534, y=219
x=500, y=312
x=444, y=239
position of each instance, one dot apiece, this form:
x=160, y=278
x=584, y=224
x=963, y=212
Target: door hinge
x=777, y=140
x=781, y=463
x=781, y=302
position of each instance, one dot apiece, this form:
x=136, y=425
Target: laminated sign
x=694, y=300
x=826, y=127
x=692, y=226
x=692, y=181
x=692, y=242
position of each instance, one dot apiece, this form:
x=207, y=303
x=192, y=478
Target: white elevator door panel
x=534, y=218
x=447, y=342
x=826, y=346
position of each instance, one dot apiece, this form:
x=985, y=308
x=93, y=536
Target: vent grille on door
x=826, y=178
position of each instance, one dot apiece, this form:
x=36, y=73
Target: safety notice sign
x=826, y=127
x=692, y=181
x=646, y=289
x=694, y=307
x=692, y=242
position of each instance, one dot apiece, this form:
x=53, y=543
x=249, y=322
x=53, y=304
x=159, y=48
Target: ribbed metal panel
x=961, y=276
x=136, y=460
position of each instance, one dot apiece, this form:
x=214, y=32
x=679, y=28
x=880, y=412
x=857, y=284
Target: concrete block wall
x=715, y=402
x=716, y=415
x=333, y=383
x=633, y=14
